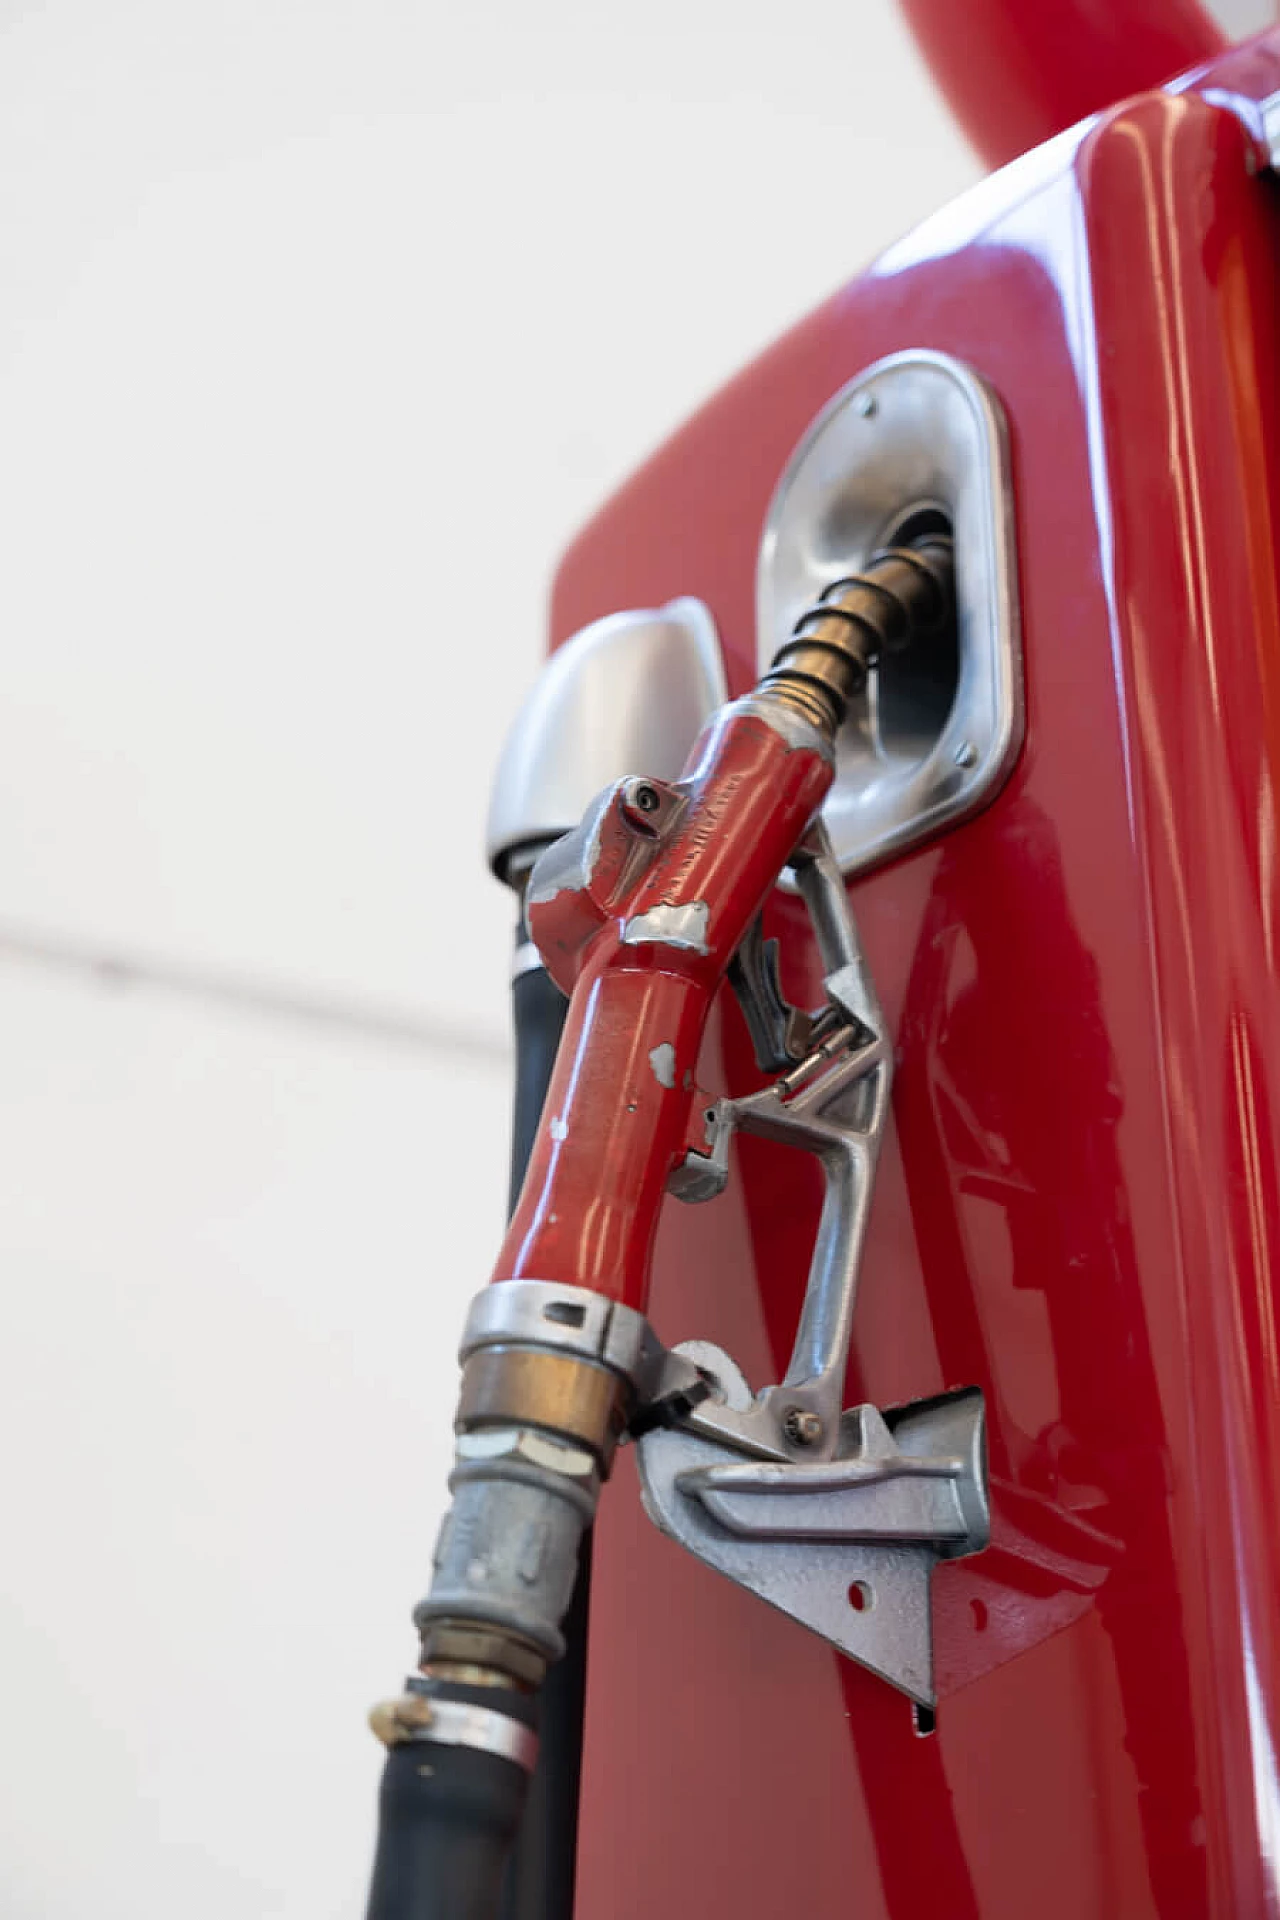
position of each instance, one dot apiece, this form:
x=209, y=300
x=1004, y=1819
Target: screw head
x=868, y=405
x=802, y=1428
x=966, y=754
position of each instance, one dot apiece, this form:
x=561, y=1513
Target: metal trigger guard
x=834, y=1104
x=837, y=1518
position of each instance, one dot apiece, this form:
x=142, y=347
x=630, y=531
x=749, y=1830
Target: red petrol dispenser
x=1075, y=1245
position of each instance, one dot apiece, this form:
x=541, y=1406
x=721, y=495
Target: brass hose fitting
x=569, y=1398
x=548, y=1381
x=903, y=593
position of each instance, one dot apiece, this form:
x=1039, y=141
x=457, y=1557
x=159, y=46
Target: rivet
x=802, y=1428
x=966, y=754
x=868, y=405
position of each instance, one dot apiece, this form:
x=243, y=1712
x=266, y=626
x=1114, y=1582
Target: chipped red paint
x=1078, y=1207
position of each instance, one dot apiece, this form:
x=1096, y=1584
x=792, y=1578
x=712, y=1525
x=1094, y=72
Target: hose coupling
x=549, y=1375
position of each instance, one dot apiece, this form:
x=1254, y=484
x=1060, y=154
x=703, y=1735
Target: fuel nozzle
x=637, y=914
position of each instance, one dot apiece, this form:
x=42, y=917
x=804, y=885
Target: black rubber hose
x=446, y=1818
x=541, y=1872
x=538, y=1010
x=448, y=1815
x=540, y=1878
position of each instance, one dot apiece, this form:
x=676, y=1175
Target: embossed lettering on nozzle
x=628, y=694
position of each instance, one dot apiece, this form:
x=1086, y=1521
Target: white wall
x=324, y=322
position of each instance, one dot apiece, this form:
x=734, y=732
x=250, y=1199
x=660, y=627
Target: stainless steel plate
x=916, y=437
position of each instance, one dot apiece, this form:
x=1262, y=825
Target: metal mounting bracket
x=836, y=1518
x=846, y=1547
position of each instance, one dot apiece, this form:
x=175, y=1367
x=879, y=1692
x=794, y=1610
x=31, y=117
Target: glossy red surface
x=1078, y=1207
x=1016, y=72
x=615, y=1120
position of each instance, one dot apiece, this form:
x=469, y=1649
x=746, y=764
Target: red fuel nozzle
x=638, y=914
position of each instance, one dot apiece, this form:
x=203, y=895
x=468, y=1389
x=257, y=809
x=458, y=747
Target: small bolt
x=802, y=1428
x=647, y=799
x=868, y=405
x=966, y=754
